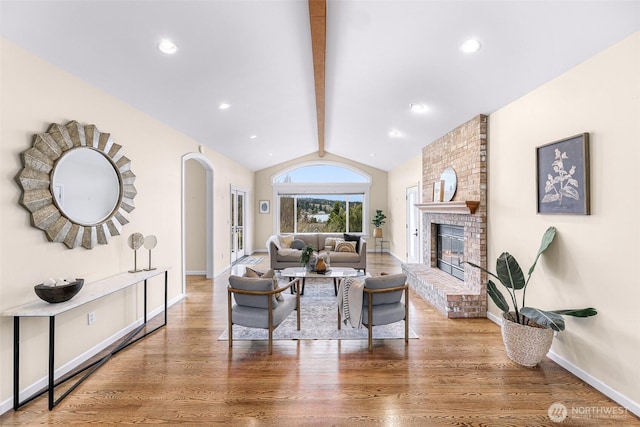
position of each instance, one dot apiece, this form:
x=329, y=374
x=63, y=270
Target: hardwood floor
x=456, y=374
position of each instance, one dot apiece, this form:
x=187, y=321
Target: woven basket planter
x=528, y=344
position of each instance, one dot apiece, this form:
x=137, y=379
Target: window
x=321, y=198
x=321, y=213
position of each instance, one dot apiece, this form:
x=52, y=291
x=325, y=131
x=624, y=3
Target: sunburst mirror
x=77, y=184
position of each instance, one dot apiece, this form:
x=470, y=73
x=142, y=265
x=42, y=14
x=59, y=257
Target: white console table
x=89, y=292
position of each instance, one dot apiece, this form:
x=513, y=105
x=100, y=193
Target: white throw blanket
x=275, y=241
x=350, y=301
x=288, y=251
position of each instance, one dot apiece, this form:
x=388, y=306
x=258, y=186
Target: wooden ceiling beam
x=318, y=21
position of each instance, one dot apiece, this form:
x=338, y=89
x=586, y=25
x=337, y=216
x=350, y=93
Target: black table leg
x=52, y=349
x=16, y=363
x=166, y=290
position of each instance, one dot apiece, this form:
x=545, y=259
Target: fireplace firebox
x=450, y=250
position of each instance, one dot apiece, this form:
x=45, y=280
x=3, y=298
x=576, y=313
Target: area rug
x=318, y=321
x=250, y=260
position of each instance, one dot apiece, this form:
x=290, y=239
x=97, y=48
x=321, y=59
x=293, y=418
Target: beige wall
x=33, y=95
x=195, y=218
x=264, y=223
x=406, y=175
x=593, y=258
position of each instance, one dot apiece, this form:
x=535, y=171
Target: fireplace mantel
x=467, y=207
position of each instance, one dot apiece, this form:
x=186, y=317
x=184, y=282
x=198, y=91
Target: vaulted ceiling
x=257, y=56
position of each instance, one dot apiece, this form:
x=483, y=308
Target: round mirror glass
x=85, y=186
x=450, y=183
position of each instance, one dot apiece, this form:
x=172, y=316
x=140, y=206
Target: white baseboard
x=79, y=360
x=630, y=405
x=603, y=388
x=495, y=319
x=196, y=273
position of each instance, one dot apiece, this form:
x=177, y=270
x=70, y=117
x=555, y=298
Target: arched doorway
x=208, y=208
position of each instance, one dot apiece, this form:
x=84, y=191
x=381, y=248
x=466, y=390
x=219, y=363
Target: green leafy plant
x=379, y=218
x=305, y=255
x=511, y=276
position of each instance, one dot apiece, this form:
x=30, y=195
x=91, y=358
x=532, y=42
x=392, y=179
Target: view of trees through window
x=328, y=213
x=321, y=198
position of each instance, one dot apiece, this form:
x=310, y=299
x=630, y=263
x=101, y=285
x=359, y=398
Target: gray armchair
x=382, y=303
x=256, y=305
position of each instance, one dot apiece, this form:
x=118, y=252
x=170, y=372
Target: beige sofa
x=283, y=257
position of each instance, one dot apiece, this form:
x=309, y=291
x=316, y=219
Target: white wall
x=33, y=95
x=406, y=175
x=592, y=261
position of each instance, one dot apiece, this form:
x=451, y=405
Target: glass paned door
x=238, y=214
x=413, y=234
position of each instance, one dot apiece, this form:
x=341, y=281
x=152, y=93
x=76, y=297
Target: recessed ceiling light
x=372, y=154
x=418, y=108
x=167, y=46
x=224, y=106
x=253, y=136
x=470, y=46
x=394, y=133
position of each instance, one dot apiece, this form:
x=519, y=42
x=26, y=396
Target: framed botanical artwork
x=562, y=173
x=264, y=206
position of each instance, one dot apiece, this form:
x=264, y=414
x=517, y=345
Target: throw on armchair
x=256, y=305
x=382, y=303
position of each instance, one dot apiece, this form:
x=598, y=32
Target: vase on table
x=321, y=266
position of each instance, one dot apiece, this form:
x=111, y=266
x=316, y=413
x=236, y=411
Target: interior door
x=238, y=214
x=413, y=225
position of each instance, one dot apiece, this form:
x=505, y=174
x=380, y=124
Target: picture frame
x=264, y=206
x=562, y=176
x=438, y=191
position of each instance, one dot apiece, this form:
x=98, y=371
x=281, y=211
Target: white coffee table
x=334, y=273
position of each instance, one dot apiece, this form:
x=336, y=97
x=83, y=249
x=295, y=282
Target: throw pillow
x=250, y=272
x=271, y=274
x=329, y=243
x=346, y=247
x=285, y=241
x=298, y=244
x=353, y=238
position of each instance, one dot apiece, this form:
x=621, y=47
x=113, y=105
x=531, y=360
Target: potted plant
x=305, y=256
x=377, y=223
x=527, y=332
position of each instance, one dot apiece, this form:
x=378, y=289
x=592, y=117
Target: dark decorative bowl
x=61, y=293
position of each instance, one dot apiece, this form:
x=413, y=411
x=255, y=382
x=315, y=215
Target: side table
x=90, y=292
x=380, y=243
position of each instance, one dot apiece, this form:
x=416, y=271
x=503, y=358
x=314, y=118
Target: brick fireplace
x=464, y=149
